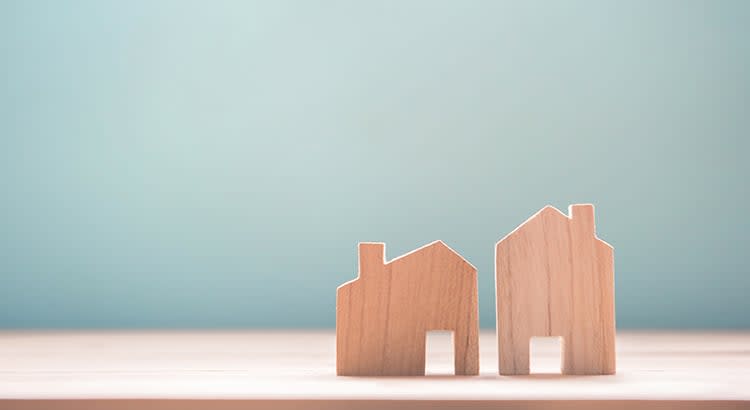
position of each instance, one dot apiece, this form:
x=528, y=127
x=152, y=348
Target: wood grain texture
x=554, y=277
x=382, y=316
x=296, y=369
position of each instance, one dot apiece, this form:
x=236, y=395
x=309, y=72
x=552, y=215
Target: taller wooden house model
x=554, y=277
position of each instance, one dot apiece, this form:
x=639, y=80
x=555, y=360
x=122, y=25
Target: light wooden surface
x=383, y=316
x=554, y=277
x=228, y=370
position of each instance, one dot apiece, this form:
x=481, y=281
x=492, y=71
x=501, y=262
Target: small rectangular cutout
x=439, y=353
x=545, y=355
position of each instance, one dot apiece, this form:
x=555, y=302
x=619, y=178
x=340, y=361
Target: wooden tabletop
x=296, y=369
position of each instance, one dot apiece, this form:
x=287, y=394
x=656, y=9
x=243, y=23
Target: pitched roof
x=436, y=244
x=548, y=210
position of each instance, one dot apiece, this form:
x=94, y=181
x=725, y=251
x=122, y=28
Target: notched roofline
x=551, y=208
x=433, y=243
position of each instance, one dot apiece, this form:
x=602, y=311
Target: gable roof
x=435, y=244
x=552, y=211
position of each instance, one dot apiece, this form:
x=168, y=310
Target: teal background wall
x=213, y=164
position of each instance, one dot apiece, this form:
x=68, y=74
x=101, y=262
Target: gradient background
x=214, y=164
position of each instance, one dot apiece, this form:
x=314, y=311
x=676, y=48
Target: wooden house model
x=554, y=277
x=383, y=315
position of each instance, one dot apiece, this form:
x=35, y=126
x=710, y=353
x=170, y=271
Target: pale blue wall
x=213, y=164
